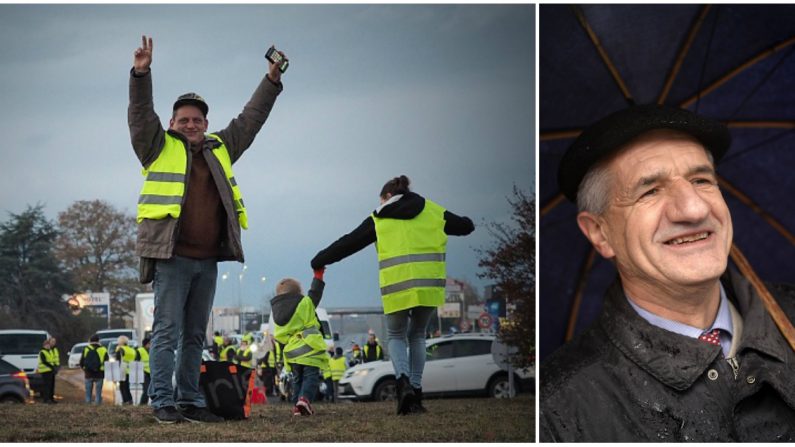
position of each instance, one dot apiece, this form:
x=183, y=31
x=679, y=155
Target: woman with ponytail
x=410, y=236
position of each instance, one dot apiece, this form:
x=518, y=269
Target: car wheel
x=498, y=387
x=385, y=390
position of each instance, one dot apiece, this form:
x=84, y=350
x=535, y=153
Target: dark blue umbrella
x=733, y=63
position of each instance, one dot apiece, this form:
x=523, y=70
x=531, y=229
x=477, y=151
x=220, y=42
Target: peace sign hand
x=143, y=55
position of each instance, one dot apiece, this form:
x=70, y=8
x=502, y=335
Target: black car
x=14, y=386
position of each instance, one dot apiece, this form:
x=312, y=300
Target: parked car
x=14, y=385
x=455, y=364
x=75, y=354
x=115, y=333
x=21, y=347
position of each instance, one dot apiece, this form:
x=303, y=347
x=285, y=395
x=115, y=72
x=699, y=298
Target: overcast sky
x=441, y=93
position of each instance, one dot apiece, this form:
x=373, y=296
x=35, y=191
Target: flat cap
x=194, y=100
x=617, y=129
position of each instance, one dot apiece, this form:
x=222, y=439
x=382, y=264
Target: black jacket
x=408, y=207
x=624, y=379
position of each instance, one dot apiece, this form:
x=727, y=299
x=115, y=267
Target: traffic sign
x=485, y=321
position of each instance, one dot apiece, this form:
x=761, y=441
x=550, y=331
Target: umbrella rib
x=779, y=124
x=680, y=57
x=771, y=305
x=603, y=53
x=734, y=72
x=559, y=134
x=557, y=200
x=575, y=306
x=742, y=197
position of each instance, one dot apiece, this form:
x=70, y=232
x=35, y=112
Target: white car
x=75, y=354
x=455, y=364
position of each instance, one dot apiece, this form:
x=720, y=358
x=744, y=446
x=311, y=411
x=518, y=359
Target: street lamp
x=264, y=300
x=240, y=299
x=223, y=281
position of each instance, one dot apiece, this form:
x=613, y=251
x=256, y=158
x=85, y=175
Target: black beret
x=615, y=130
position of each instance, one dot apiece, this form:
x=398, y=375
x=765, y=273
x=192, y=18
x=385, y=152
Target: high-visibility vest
x=272, y=356
x=218, y=340
x=225, y=351
x=48, y=358
x=327, y=368
x=143, y=356
x=304, y=344
x=242, y=352
x=411, y=259
x=127, y=356
x=164, y=188
x=101, y=353
x=367, y=352
x=337, y=366
x=56, y=356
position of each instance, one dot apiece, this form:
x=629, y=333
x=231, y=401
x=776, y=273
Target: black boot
x=404, y=394
x=416, y=406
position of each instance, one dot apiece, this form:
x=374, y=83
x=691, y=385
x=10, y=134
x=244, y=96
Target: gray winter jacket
x=624, y=379
x=157, y=238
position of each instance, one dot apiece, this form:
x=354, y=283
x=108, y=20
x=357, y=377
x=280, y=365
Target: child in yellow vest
x=297, y=328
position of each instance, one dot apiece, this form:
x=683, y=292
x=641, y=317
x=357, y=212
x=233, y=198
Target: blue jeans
x=306, y=382
x=184, y=291
x=90, y=385
x=408, y=356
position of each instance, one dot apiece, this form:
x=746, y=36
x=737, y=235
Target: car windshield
x=78, y=348
x=115, y=334
x=16, y=344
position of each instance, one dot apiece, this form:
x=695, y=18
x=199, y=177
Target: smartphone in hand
x=276, y=58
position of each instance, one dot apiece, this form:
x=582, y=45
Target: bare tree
x=511, y=263
x=96, y=246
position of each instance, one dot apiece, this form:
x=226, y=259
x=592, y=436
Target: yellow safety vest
x=337, y=366
x=247, y=351
x=164, y=188
x=273, y=355
x=49, y=358
x=304, y=344
x=144, y=357
x=218, y=340
x=101, y=352
x=367, y=352
x=127, y=356
x=224, y=356
x=411, y=259
x=327, y=368
x=56, y=356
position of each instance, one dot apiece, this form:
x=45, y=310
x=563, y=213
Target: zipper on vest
x=735, y=366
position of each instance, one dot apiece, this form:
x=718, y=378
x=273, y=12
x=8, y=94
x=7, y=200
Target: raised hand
x=143, y=55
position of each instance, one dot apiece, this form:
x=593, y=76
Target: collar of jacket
x=209, y=142
x=676, y=360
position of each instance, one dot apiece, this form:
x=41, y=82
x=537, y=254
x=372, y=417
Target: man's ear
x=171, y=123
x=593, y=227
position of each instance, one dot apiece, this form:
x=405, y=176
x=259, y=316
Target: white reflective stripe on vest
x=405, y=259
x=154, y=199
x=412, y=283
x=165, y=177
x=305, y=349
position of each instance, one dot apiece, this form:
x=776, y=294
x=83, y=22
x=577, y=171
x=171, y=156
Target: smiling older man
x=683, y=349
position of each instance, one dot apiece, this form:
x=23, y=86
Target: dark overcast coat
x=626, y=380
